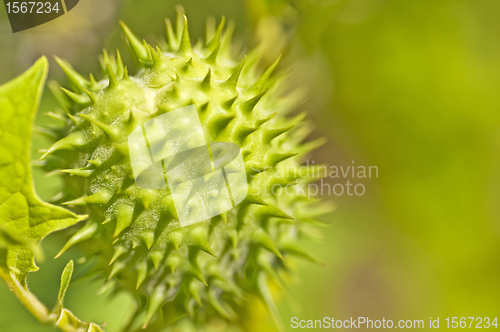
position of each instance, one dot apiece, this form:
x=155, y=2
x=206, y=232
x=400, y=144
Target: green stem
x=37, y=308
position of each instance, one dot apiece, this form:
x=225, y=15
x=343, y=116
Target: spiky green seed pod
x=206, y=269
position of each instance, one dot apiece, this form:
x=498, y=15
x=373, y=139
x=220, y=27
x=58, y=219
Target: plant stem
x=37, y=308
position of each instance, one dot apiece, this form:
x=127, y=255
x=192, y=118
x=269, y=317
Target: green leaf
x=22, y=213
x=65, y=279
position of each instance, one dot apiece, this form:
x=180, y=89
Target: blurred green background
x=410, y=86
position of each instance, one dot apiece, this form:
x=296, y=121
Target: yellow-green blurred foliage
x=410, y=86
